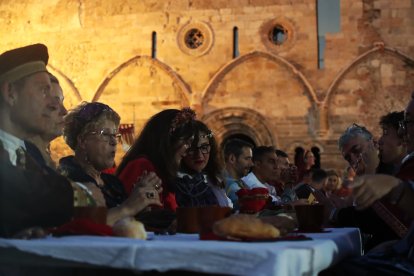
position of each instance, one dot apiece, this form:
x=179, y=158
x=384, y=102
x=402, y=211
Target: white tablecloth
x=187, y=252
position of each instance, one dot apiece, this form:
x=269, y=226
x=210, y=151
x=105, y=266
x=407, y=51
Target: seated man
x=238, y=161
x=31, y=193
x=318, y=179
x=360, y=150
x=396, y=258
x=265, y=170
x=287, y=177
x=55, y=129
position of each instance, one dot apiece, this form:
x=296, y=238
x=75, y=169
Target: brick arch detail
x=215, y=80
x=238, y=120
x=69, y=82
x=185, y=88
x=377, y=48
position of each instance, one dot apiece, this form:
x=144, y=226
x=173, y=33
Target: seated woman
x=333, y=184
x=307, y=161
x=91, y=130
x=159, y=148
x=198, y=182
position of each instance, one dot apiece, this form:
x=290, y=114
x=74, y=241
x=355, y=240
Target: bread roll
x=285, y=224
x=245, y=226
x=129, y=227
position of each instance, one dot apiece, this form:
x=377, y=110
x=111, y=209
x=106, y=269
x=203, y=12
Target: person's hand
x=146, y=192
x=148, y=180
x=369, y=188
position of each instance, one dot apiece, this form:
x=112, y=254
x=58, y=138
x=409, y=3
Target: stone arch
x=142, y=87
x=352, y=64
x=236, y=120
x=185, y=89
x=368, y=88
x=215, y=80
x=72, y=98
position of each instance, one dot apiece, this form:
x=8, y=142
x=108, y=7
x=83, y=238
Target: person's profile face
x=268, y=166
x=58, y=111
x=361, y=154
x=100, y=145
x=390, y=145
x=180, y=149
x=244, y=162
x=30, y=111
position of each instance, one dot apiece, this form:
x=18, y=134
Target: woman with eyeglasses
x=159, y=148
x=199, y=181
x=91, y=130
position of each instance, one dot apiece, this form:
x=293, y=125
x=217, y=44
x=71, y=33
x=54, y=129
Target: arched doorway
x=239, y=122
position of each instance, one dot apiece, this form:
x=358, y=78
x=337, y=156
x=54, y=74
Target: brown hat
x=21, y=62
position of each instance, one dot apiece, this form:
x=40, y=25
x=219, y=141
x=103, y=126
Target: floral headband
x=183, y=117
x=209, y=135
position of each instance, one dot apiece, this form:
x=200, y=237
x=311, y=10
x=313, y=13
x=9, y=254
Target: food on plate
x=245, y=226
x=129, y=227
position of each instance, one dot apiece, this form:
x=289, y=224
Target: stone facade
x=272, y=93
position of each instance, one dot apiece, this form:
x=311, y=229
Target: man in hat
x=31, y=193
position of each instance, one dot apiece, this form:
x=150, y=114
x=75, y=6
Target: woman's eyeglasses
x=107, y=135
x=204, y=149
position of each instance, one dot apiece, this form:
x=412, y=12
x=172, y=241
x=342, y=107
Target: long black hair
x=158, y=141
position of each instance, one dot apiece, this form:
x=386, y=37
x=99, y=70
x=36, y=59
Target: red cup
x=187, y=220
x=310, y=217
x=208, y=215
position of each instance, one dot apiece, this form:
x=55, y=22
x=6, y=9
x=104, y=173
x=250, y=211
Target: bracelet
x=397, y=193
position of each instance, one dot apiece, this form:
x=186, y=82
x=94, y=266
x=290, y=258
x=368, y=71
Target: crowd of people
x=176, y=162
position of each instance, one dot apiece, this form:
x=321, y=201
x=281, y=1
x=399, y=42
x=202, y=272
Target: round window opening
x=278, y=35
x=194, y=38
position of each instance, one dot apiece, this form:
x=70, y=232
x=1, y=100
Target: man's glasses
x=107, y=135
x=204, y=149
x=403, y=126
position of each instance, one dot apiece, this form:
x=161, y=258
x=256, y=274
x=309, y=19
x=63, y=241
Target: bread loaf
x=129, y=227
x=245, y=226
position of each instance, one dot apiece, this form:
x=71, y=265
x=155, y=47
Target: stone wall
x=101, y=51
